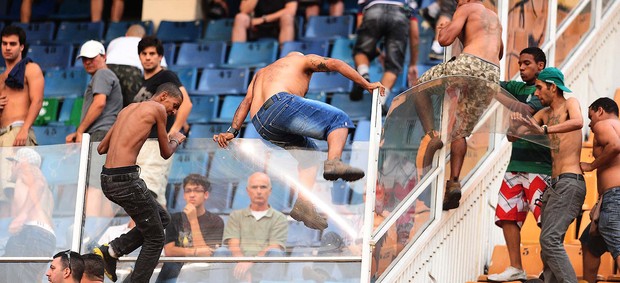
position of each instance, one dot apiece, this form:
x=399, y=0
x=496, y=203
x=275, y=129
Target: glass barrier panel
x=527, y=26
x=571, y=37
x=37, y=206
x=217, y=187
x=565, y=7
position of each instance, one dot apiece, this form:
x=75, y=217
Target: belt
x=120, y=178
x=569, y=176
x=10, y=127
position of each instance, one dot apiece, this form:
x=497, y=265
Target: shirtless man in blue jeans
x=281, y=115
x=121, y=183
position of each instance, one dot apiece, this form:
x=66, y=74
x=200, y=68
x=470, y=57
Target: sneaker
x=510, y=274
x=335, y=168
x=428, y=146
x=452, y=197
x=109, y=263
x=358, y=91
x=305, y=212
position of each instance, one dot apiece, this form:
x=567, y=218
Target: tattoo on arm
x=320, y=66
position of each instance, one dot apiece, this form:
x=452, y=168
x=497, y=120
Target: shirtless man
x=279, y=89
x=31, y=209
x=120, y=181
x=561, y=203
x=605, y=125
x=480, y=31
x=21, y=91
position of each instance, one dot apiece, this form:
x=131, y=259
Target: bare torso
x=32, y=199
x=566, y=147
x=131, y=129
x=18, y=101
x=482, y=34
x=288, y=74
x=607, y=174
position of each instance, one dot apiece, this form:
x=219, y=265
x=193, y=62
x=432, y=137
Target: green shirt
x=527, y=156
x=255, y=235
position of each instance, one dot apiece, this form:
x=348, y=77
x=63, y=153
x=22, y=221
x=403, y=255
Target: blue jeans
x=609, y=220
x=390, y=22
x=561, y=204
x=260, y=271
x=30, y=241
x=124, y=187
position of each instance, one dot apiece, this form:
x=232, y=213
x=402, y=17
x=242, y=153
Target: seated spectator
x=67, y=267
x=93, y=268
x=193, y=232
x=313, y=7
x=258, y=230
x=265, y=18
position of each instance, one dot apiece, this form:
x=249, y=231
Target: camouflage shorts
x=130, y=79
x=475, y=95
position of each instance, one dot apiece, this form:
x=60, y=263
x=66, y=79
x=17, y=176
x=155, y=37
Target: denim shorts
x=288, y=121
x=387, y=21
x=609, y=220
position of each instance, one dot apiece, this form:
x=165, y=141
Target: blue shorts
x=288, y=121
x=609, y=220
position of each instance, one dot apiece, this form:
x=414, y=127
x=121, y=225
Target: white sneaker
x=510, y=274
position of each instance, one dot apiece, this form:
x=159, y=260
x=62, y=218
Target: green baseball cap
x=554, y=76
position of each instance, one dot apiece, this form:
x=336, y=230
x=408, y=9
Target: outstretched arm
x=324, y=64
x=222, y=139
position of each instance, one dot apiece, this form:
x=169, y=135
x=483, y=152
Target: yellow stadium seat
x=530, y=232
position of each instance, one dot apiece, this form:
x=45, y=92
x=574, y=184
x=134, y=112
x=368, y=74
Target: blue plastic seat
x=170, y=50
x=362, y=131
x=179, y=31
x=79, y=32
x=355, y=109
x=201, y=55
x=187, y=75
x=229, y=106
x=73, y=10
x=343, y=50
x=319, y=47
x=38, y=32
x=200, y=130
x=48, y=135
x=223, y=81
x=318, y=96
x=40, y=10
x=118, y=29
x=65, y=82
x=252, y=54
x=64, y=116
x=329, y=82
x=250, y=132
x=204, y=109
x=327, y=27
x=51, y=56
x=219, y=30
x=376, y=72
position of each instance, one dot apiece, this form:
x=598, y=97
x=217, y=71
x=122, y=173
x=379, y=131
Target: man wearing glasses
x=67, y=266
x=193, y=232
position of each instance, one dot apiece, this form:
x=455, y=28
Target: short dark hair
x=151, y=41
x=197, y=179
x=607, y=104
x=170, y=88
x=73, y=261
x=15, y=30
x=559, y=90
x=537, y=53
x=93, y=267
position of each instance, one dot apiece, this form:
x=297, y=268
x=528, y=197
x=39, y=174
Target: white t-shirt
x=124, y=51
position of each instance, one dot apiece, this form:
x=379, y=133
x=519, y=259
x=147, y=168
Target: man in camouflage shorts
x=480, y=31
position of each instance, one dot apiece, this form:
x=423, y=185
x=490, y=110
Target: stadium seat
x=48, y=135
x=229, y=107
x=219, y=30
x=223, y=81
x=37, y=33
x=250, y=132
x=51, y=56
x=65, y=83
x=376, y=72
x=118, y=29
x=329, y=82
x=207, y=130
x=170, y=50
x=73, y=10
x=355, y=109
x=40, y=10
x=204, y=109
x=343, y=50
x=79, y=32
x=318, y=96
x=48, y=112
x=241, y=198
x=179, y=31
x=362, y=131
x=327, y=27
x=252, y=54
x=187, y=75
x=530, y=232
x=319, y=47
x=201, y=55
x=64, y=116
